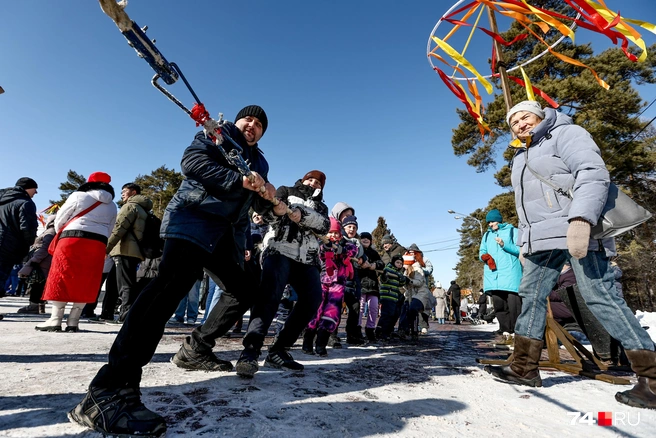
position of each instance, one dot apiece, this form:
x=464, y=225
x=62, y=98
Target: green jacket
x=132, y=216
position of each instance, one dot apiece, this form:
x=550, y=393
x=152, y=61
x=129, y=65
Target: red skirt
x=76, y=270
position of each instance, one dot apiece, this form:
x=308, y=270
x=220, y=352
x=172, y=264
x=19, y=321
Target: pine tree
x=160, y=186
x=73, y=181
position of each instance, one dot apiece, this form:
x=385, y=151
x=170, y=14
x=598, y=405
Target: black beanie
x=366, y=235
x=255, y=111
x=27, y=183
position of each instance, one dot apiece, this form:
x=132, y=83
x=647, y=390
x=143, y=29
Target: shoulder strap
x=82, y=213
x=543, y=179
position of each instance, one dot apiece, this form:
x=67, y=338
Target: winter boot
x=643, y=394
x=279, y=358
x=523, y=370
x=30, y=309
x=73, y=319
x=54, y=323
x=371, y=334
x=334, y=341
x=190, y=359
x=247, y=364
x=308, y=340
x=117, y=412
x=322, y=341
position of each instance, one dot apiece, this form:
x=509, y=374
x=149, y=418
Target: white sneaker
x=424, y=331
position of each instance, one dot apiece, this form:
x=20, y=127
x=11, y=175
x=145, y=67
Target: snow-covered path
x=433, y=389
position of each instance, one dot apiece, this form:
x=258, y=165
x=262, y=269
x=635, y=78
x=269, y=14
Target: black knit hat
x=396, y=257
x=27, y=183
x=255, y=111
x=366, y=235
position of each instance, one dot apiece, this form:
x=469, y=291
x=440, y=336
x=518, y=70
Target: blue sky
x=346, y=86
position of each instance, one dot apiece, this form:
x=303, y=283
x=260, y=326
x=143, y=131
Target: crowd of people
x=254, y=246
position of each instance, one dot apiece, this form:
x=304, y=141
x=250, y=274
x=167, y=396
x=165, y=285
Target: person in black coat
x=18, y=225
x=454, y=295
x=204, y=226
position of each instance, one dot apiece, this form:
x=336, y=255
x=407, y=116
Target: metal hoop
x=536, y=57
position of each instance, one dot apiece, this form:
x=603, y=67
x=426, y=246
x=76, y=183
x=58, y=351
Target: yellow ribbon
x=462, y=61
x=527, y=84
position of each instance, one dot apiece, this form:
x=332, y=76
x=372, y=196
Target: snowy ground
x=433, y=389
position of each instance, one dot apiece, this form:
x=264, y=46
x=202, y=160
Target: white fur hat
x=528, y=105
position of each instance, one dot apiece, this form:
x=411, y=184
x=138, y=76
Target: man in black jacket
x=205, y=226
x=454, y=294
x=18, y=225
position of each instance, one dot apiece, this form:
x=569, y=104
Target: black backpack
x=151, y=245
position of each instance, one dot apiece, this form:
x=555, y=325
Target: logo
x=605, y=419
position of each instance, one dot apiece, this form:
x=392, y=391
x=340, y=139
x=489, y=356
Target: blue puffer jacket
x=211, y=201
x=566, y=155
x=508, y=273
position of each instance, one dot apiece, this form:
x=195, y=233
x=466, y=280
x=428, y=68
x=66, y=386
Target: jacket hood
x=339, y=208
x=103, y=196
x=316, y=194
x=142, y=201
x=13, y=194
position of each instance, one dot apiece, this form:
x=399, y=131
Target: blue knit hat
x=494, y=216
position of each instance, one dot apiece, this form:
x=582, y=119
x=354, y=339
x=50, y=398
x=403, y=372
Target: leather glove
x=578, y=238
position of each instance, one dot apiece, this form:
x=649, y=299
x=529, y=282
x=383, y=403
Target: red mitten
x=487, y=258
x=331, y=267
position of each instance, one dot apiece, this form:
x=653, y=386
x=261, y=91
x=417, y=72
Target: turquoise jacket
x=508, y=272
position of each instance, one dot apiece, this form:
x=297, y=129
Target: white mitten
x=578, y=238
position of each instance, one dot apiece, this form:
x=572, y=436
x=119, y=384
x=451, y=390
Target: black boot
x=322, y=341
x=117, y=412
x=190, y=359
x=308, y=340
x=523, y=370
x=371, y=334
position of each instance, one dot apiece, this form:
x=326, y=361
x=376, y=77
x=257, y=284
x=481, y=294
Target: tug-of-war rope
x=591, y=15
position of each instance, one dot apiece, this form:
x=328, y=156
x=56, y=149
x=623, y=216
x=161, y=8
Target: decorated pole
x=501, y=66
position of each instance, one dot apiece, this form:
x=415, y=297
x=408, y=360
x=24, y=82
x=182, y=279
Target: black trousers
x=126, y=279
x=277, y=272
x=90, y=308
x=455, y=305
x=111, y=295
x=144, y=325
x=507, y=307
x=387, y=317
x=352, y=301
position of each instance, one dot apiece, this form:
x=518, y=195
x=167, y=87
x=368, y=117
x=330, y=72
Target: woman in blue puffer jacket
x=502, y=271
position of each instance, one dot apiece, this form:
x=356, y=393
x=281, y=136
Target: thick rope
x=115, y=11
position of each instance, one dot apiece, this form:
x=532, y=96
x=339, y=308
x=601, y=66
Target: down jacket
x=417, y=288
x=130, y=222
x=566, y=155
x=297, y=241
x=211, y=202
x=508, y=272
x=18, y=224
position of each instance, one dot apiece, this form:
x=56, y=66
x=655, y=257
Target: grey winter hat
x=414, y=248
x=387, y=239
x=528, y=105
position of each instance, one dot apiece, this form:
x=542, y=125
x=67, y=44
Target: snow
x=433, y=389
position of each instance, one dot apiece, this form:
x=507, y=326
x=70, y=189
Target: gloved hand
x=487, y=258
x=578, y=237
x=25, y=271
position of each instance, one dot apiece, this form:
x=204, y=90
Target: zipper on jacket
x=528, y=223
